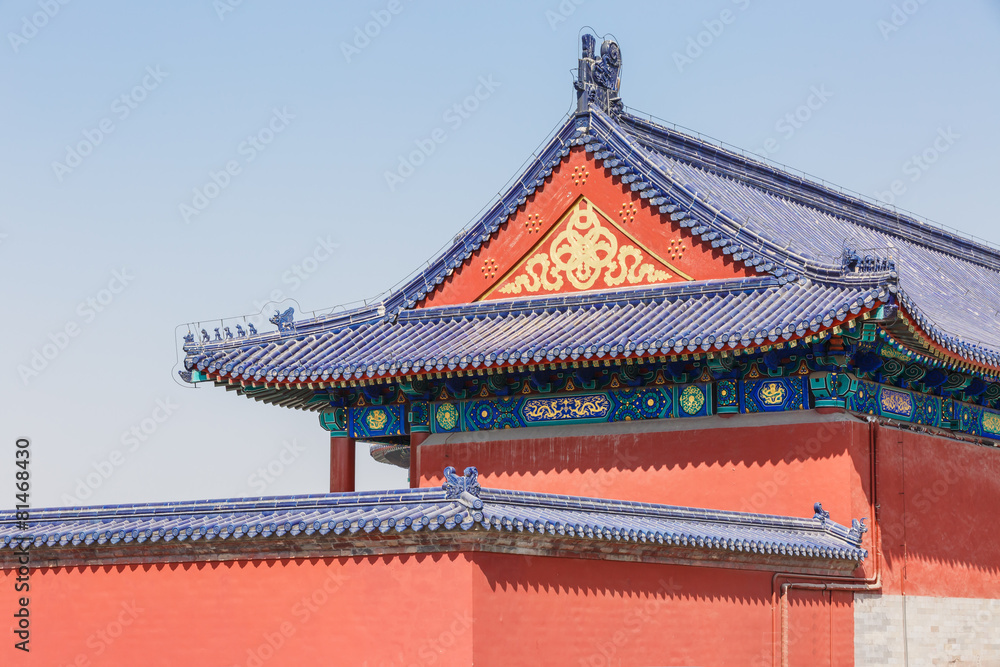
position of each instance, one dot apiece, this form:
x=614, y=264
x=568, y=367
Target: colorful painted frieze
x=506, y=412
x=661, y=401
x=774, y=395
x=378, y=421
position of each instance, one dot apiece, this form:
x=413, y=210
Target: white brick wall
x=938, y=631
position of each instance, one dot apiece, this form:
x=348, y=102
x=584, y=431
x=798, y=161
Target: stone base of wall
x=914, y=631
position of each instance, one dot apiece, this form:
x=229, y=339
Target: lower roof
x=457, y=516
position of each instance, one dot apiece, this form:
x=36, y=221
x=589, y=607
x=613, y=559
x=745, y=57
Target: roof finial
x=454, y=485
x=599, y=77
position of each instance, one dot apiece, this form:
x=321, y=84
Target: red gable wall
x=621, y=222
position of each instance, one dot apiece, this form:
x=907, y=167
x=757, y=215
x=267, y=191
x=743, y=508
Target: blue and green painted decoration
x=378, y=421
x=507, y=412
x=859, y=371
x=876, y=399
x=662, y=402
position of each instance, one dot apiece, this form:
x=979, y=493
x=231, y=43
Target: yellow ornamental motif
x=583, y=253
x=376, y=420
x=773, y=393
x=630, y=268
x=692, y=400
x=991, y=423
x=583, y=249
x=574, y=407
x=535, y=277
x=892, y=353
x=447, y=416
x=897, y=403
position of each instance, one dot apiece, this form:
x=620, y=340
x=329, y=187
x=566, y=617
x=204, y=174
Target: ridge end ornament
x=455, y=485
x=599, y=77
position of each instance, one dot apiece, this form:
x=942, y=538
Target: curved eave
x=439, y=269
x=394, y=455
x=918, y=335
x=300, y=394
x=679, y=321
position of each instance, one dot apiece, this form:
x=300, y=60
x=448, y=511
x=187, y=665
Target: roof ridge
x=820, y=522
x=608, y=297
x=423, y=281
x=216, y=506
x=459, y=503
x=604, y=505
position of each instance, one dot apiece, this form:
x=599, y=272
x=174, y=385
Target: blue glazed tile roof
x=457, y=506
x=949, y=283
x=670, y=319
x=678, y=526
x=799, y=232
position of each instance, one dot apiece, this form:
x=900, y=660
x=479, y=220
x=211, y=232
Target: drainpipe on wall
x=779, y=593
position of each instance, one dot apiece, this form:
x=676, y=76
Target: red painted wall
x=779, y=469
x=346, y=611
x=820, y=629
x=939, y=497
x=456, y=609
x=940, y=500
x=601, y=613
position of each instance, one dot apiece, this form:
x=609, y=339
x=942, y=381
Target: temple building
x=662, y=404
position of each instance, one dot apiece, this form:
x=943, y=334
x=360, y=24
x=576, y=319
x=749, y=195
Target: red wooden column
x=341, y=464
x=416, y=439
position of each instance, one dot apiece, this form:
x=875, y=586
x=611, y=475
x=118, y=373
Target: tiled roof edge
x=977, y=351
x=458, y=503
x=623, y=508
x=466, y=243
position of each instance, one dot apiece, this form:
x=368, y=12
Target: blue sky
x=174, y=162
